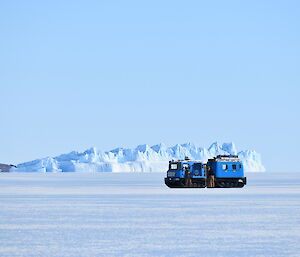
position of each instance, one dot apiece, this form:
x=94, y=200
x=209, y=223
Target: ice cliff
x=143, y=158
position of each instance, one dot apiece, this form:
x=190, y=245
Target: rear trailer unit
x=226, y=171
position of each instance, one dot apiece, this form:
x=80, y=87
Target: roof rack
x=227, y=156
x=224, y=158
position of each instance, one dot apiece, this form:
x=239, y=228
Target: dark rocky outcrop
x=6, y=167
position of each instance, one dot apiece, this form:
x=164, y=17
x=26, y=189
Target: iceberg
x=143, y=158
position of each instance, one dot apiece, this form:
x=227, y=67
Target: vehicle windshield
x=173, y=166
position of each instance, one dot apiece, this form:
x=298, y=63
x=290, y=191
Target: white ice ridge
x=143, y=158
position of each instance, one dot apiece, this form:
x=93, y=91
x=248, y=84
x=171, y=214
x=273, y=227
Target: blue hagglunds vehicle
x=225, y=171
x=186, y=173
x=221, y=171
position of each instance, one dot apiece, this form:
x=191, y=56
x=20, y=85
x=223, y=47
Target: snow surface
x=135, y=214
x=141, y=159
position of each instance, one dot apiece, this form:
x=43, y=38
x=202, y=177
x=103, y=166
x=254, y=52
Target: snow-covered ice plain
x=135, y=214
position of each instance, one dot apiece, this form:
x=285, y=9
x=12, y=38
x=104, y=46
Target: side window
x=224, y=167
x=179, y=165
x=197, y=169
x=197, y=166
x=234, y=167
x=186, y=166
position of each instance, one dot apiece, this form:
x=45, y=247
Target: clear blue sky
x=75, y=74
